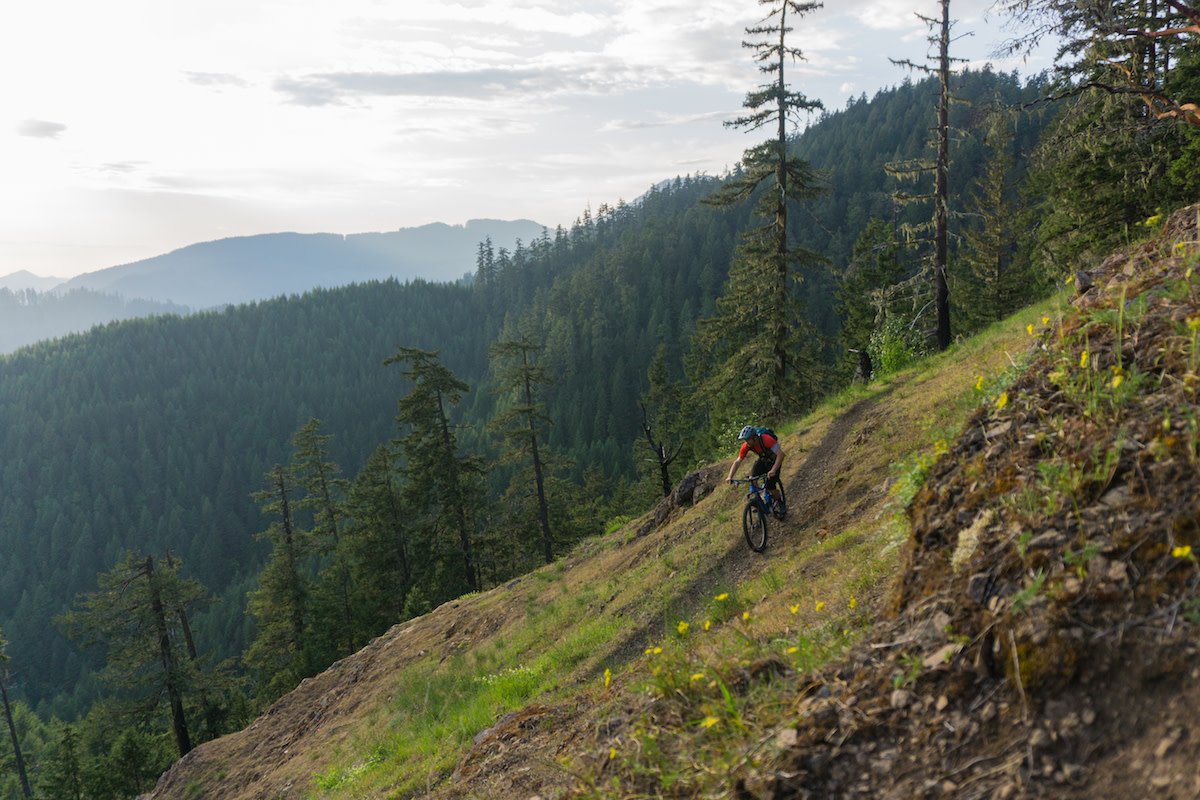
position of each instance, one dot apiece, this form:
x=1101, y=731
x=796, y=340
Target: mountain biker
x=770, y=457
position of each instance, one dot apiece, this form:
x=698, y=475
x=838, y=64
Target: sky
x=130, y=128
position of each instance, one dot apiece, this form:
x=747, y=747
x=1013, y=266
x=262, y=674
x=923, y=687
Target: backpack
x=765, y=452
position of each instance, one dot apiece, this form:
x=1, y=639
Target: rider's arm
x=733, y=468
x=774, y=471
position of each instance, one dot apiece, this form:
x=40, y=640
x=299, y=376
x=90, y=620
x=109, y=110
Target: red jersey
x=769, y=445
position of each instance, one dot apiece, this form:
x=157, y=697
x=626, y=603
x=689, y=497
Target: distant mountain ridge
x=23, y=279
x=243, y=269
x=249, y=268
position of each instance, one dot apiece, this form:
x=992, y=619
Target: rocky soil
x=1041, y=640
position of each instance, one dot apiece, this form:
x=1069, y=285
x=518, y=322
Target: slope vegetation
x=547, y=684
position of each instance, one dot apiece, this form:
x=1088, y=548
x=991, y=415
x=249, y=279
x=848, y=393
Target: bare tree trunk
x=12, y=731
x=942, y=192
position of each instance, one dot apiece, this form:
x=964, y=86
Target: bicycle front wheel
x=754, y=525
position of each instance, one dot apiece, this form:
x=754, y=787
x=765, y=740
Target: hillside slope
x=1035, y=635
x=598, y=609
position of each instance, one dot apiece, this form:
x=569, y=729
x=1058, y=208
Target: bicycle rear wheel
x=779, y=507
x=754, y=525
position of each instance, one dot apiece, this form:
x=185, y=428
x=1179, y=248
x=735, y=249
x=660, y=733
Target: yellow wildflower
x=699, y=676
x=1002, y=400
x=795, y=608
x=607, y=678
x=793, y=650
x=707, y=624
x=1029, y=328
x=1182, y=552
x=1045, y=320
x=820, y=604
x=853, y=602
x=682, y=628
x=745, y=616
x=979, y=383
x=708, y=722
x=612, y=753
x=1083, y=359
x=723, y=596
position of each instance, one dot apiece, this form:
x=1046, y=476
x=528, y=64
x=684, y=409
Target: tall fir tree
x=937, y=232
x=281, y=653
x=520, y=424
x=756, y=345
x=136, y=613
x=323, y=495
x=440, y=482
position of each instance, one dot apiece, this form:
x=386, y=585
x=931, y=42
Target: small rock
x=1167, y=743
x=901, y=698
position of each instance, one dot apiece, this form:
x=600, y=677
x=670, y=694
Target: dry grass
x=508, y=688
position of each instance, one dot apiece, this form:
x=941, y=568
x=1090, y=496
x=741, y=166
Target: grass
x=659, y=618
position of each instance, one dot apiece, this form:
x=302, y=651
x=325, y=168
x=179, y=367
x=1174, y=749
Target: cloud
x=477, y=84
x=40, y=128
x=215, y=79
x=663, y=121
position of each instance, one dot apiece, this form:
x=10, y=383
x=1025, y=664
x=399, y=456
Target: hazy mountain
x=249, y=268
x=22, y=279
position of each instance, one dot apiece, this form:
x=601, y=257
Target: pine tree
x=61, y=775
x=868, y=290
x=663, y=420
x=440, y=482
x=281, y=652
x=939, y=227
x=760, y=329
x=520, y=425
x=12, y=728
x=378, y=543
x=993, y=285
x=136, y=613
x=324, y=493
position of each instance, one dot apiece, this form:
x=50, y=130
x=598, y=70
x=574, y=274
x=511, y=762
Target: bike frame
x=758, y=491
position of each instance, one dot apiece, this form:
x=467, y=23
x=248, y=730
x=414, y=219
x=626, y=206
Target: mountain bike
x=760, y=503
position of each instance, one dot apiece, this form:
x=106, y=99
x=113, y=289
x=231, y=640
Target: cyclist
x=770, y=457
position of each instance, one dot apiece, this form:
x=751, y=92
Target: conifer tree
x=378, y=544
x=757, y=338
x=440, y=482
x=136, y=613
x=520, y=424
x=12, y=728
x=992, y=283
x=868, y=289
x=1125, y=144
x=939, y=228
x=663, y=420
x=281, y=652
x=324, y=496
x=61, y=776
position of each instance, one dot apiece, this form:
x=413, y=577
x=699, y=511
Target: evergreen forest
x=276, y=483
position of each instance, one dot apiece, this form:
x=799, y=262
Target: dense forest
x=287, y=478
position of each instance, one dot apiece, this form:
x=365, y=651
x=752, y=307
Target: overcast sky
x=130, y=128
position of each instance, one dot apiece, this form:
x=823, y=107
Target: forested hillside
x=28, y=316
x=152, y=435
